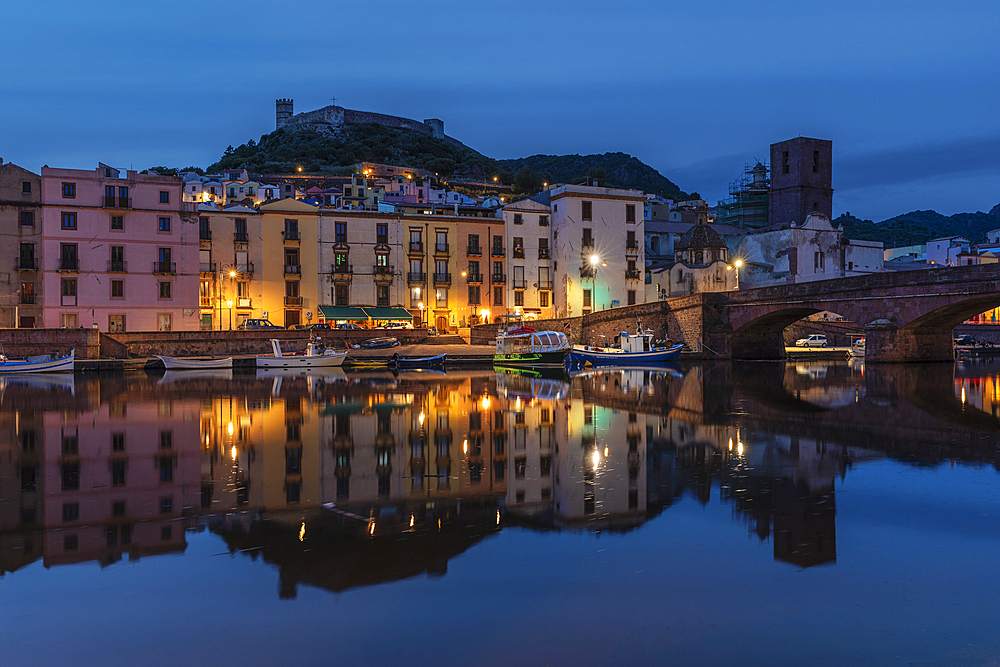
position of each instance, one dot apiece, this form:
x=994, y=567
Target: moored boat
x=627, y=350
x=43, y=363
x=436, y=361
x=522, y=346
x=313, y=357
x=857, y=348
x=189, y=364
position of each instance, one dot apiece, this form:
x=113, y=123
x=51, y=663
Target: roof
x=664, y=227
x=368, y=313
x=700, y=236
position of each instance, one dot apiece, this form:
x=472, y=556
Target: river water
x=714, y=514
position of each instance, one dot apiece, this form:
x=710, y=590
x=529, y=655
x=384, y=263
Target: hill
x=614, y=169
x=918, y=227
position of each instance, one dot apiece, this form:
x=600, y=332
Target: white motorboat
x=520, y=346
x=192, y=375
x=191, y=364
x=628, y=349
x=43, y=363
x=857, y=348
x=313, y=357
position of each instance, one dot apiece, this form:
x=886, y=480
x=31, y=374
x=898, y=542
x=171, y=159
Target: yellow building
x=290, y=271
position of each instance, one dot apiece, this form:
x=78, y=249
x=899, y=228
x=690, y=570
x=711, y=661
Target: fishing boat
x=191, y=364
x=627, y=349
x=521, y=346
x=436, y=361
x=42, y=363
x=857, y=348
x=314, y=356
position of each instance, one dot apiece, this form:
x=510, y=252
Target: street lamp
x=736, y=265
x=230, y=304
x=421, y=307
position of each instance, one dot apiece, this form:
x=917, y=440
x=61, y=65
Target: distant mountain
x=918, y=227
x=614, y=169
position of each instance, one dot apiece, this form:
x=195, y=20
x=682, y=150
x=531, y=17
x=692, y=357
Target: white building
x=945, y=250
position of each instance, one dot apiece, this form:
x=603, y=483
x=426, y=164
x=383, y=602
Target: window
x=69, y=190
x=27, y=292
x=815, y=162
x=518, y=298
x=166, y=504
x=630, y=242
x=69, y=287
x=498, y=296
x=518, y=219
x=519, y=247
x=164, y=225
x=629, y=212
x=474, y=243
x=631, y=297
x=341, y=232
x=71, y=477
x=27, y=218
x=586, y=298
x=118, y=222
x=164, y=197
x=291, y=230
x=382, y=295
x=118, y=473
x=497, y=268
x=784, y=162
x=292, y=260
x=543, y=299
x=519, y=282
x=473, y=295
x=241, y=229
x=71, y=512
x=441, y=297
x=382, y=233
x=164, y=289
x=69, y=220
x=543, y=249
x=117, y=289
x=118, y=442
x=204, y=229
x=818, y=262
x=588, y=237
x=441, y=242
x=339, y=261
x=586, y=213
x=26, y=187
x=340, y=295
x=543, y=221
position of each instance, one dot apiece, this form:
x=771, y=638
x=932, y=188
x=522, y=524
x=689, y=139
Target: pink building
x=119, y=253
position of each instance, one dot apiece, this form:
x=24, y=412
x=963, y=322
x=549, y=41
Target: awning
x=343, y=313
x=388, y=314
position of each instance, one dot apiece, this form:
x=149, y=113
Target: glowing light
x=738, y=263
x=465, y=446
x=498, y=517
x=300, y=168
x=963, y=393
x=517, y=403
x=439, y=524
x=595, y=459
x=495, y=179
x=229, y=303
x=420, y=418
x=230, y=428
x=485, y=402
x=594, y=259
x=232, y=452
x=232, y=274
x=371, y=528
x=730, y=444
x=411, y=521
x=302, y=531
x=739, y=449
x=463, y=274
x=605, y=452
x=485, y=313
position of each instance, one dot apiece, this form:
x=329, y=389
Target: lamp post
x=230, y=304
x=594, y=261
x=421, y=307
x=736, y=266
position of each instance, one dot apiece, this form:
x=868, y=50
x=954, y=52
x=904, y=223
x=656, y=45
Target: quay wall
x=19, y=343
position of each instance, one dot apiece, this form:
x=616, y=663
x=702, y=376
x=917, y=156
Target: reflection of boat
x=628, y=349
x=524, y=347
x=327, y=374
x=314, y=357
x=39, y=381
x=437, y=361
x=42, y=363
x=672, y=369
x=200, y=374
x=525, y=386
x=379, y=343
x=367, y=363
x=188, y=364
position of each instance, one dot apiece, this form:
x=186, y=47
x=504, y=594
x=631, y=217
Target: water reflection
x=345, y=480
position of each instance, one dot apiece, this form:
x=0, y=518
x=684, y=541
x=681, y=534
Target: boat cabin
x=525, y=340
x=642, y=342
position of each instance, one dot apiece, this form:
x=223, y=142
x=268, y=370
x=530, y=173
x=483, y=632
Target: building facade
x=20, y=248
x=230, y=265
x=801, y=180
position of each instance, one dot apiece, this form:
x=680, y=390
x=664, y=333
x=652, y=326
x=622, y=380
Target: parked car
x=378, y=343
x=965, y=340
x=349, y=326
x=398, y=325
x=319, y=326
x=432, y=331
x=815, y=340
x=249, y=324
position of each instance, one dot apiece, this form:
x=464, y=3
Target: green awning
x=343, y=313
x=400, y=314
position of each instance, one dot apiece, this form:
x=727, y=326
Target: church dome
x=700, y=236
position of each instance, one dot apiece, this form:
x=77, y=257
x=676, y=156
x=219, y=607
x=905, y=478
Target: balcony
x=498, y=279
x=207, y=267
x=117, y=266
x=474, y=278
x=241, y=237
x=518, y=252
x=588, y=271
x=293, y=269
x=27, y=299
x=545, y=284
x=416, y=277
x=519, y=283
x=631, y=247
x=124, y=203
x=245, y=269
x=206, y=302
x=442, y=278
x=382, y=241
x=243, y=303
x=205, y=235
x=497, y=251
x=441, y=248
x=587, y=246
x=633, y=274
x=383, y=274
x=165, y=268
x=293, y=302
x=290, y=236
x=544, y=253
x=416, y=246
x=474, y=251
x=69, y=264
x=342, y=273
x=22, y=263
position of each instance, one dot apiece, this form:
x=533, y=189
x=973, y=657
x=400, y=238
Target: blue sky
x=907, y=91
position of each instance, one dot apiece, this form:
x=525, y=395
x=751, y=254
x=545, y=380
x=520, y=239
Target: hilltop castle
x=331, y=119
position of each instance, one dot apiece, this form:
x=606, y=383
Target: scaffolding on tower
x=747, y=203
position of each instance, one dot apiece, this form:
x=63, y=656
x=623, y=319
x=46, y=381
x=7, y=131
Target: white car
x=815, y=340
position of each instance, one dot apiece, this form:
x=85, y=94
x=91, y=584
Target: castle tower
x=437, y=127
x=282, y=112
x=801, y=180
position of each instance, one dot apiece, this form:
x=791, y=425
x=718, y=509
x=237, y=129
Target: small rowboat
x=39, y=364
x=176, y=364
x=436, y=361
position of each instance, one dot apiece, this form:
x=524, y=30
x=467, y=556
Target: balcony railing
x=26, y=263
x=381, y=240
x=441, y=248
x=497, y=251
x=205, y=302
x=544, y=284
x=116, y=266
x=244, y=268
x=69, y=264
x=519, y=283
x=544, y=253
x=205, y=235
x=290, y=235
x=474, y=278
x=632, y=247
x=116, y=202
x=27, y=299
x=165, y=267
x=442, y=278
x=518, y=252
x=243, y=303
x=498, y=279
x=293, y=269
x=587, y=271
x=416, y=246
x=293, y=301
x=342, y=272
x=587, y=245
x=474, y=251
x=241, y=237
x=383, y=274
x=416, y=277
x=207, y=267
x=633, y=274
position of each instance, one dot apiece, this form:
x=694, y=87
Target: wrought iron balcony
x=414, y=277
x=27, y=299
x=587, y=271
x=293, y=301
x=498, y=279
x=241, y=237
x=244, y=269
x=474, y=278
x=474, y=251
x=633, y=274
x=116, y=266
x=497, y=251
x=519, y=283
x=206, y=267
x=23, y=263
x=69, y=264
x=416, y=246
x=544, y=284
x=116, y=202
x=293, y=269
x=383, y=274
x=166, y=268
x=442, y=278
x=631, y=247
x=290, y=235
x=205, y=235
x=587, y=245
x=441, y=248
x=518, y=252
x=544, y=253
x=342, y=272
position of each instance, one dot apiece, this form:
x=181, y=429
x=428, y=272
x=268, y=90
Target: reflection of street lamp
x=230, y=304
